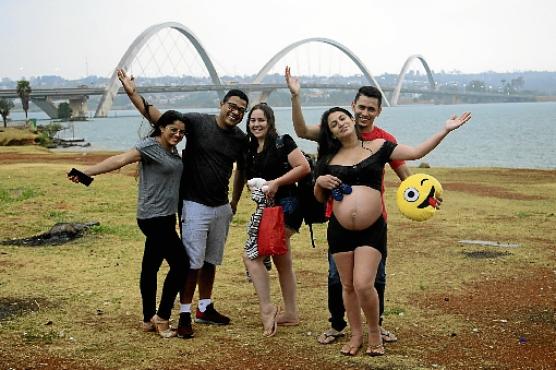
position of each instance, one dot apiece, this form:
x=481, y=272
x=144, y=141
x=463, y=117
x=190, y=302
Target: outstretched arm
x=148, y=111
x=405, y=152
x=301, y=129
x=111, y=163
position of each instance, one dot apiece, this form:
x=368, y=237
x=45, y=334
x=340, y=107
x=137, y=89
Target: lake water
x=520, y=135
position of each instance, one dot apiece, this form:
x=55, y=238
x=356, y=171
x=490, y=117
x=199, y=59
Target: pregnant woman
x=350, y=170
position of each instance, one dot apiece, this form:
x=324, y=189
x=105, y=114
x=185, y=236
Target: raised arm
x=301, y=129
x=111, y=163
x=148, y=111
x=406, y=152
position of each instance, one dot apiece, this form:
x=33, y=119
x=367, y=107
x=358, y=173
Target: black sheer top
x=368, y=172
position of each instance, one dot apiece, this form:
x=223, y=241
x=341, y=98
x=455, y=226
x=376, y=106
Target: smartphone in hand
x=84, y=179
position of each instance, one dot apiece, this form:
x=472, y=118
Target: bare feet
x=270, y=323
x=285, y=319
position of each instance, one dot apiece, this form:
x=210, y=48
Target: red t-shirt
x=376, y=133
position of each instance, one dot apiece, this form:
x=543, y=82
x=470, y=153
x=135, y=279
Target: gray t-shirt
x=208, y=159
x=159, y=180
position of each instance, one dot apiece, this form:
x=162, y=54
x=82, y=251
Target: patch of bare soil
x=480, y=190
x=511, y=324
x=85, y=158
x=489, y=191
x=10, y=307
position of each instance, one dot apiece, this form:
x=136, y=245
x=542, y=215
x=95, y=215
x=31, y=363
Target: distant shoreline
x=37, y=154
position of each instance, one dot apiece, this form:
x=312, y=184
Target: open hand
x=455, y=122
x=128, y=82
x=293, y=82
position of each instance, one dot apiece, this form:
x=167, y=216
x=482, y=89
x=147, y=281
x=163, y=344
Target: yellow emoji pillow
x=416, y=196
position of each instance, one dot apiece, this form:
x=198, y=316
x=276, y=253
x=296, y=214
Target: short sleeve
x=396, y=162
x=386, y=150
x=289, y=144
x=148, y=148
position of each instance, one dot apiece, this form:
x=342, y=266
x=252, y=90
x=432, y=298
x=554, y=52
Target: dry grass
x=78, y=305
x=14, y=136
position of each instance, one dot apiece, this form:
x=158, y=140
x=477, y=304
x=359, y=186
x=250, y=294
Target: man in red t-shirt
x=367, y=106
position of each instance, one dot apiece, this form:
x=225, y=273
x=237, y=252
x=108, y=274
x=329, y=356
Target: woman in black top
x=277, y=160
x=356, y=231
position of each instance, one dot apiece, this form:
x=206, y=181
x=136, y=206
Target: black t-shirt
x=208, y=159
x=272, y=163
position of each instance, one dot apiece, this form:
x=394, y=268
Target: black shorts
x=341, y=239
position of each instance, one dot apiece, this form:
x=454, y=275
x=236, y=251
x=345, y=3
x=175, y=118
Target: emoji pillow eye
x=411, y=194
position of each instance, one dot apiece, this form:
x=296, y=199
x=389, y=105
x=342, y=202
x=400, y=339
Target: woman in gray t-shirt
x=160, y=168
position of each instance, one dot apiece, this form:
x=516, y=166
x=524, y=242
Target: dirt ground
x=512, y=325
x=84, y=158
x=511, y=322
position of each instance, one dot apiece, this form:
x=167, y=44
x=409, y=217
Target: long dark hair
x=271, y=134
x=328, y=144
x=165, y=119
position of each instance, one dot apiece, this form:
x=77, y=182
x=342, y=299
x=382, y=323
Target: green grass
x=88, y=289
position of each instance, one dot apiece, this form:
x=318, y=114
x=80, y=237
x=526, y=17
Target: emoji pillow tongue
x=430, y=200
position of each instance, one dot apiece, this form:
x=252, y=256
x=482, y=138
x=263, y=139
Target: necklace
x=369, y=149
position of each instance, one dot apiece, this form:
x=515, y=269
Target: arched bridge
x=140, y=41
x=78, y=96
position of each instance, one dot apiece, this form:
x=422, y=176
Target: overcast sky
x=74, y=37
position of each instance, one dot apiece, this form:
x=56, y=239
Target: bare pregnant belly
x=360, y=209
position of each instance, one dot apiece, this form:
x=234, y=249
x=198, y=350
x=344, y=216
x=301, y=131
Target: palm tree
x=24, y=91
x=5, y=106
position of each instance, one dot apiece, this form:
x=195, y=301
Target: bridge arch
x=272, y=62
x=396, y=93
x=111, y=90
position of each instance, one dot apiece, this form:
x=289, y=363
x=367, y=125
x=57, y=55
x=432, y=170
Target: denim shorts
x=292, y=212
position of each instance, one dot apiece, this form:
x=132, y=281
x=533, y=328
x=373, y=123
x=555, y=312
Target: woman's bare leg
x=259, y=276
x=286, y=276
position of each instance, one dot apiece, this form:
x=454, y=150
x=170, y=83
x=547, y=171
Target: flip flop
x=329, y=336
x=375, y=350
x=387, y=336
